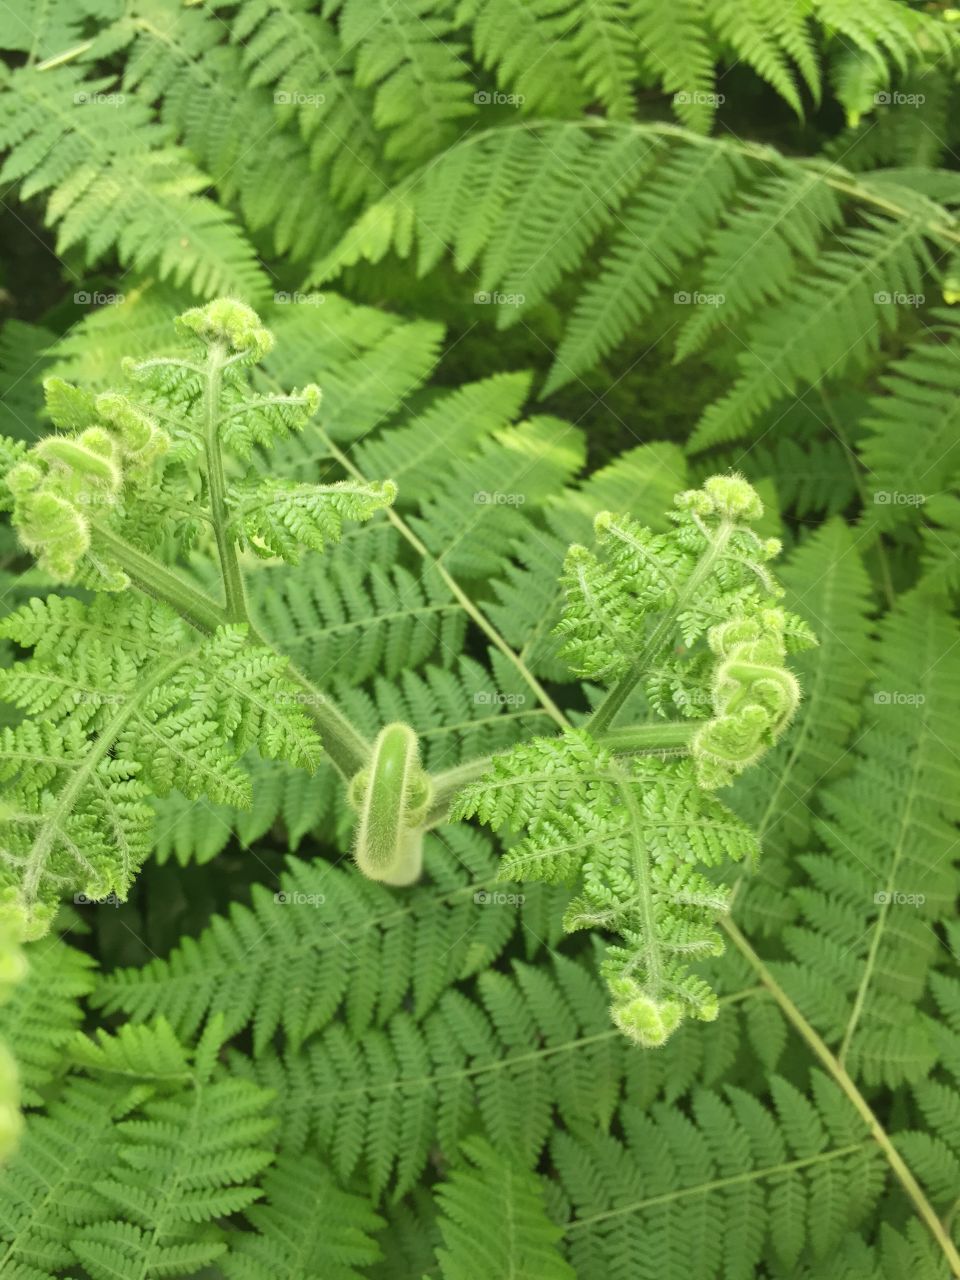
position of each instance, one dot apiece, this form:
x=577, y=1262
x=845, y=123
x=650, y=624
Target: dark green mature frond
x=151, y=1132
x=474, y=512
x=864, y=950
x=187, y=1159
x=47, y=1189
x=533, y=1046
x=912, y=447
x=410, y=56
x=307, y=1225
x=126, y=702
x=853, y=294
x=299, y=55
x=326, y=940
x=493, y=1219
x=720, y=1192
x=360, y=611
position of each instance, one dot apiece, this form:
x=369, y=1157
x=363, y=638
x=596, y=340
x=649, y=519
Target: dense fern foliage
x=479, y=665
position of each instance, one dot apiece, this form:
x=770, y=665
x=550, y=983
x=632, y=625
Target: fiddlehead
x=685, y=622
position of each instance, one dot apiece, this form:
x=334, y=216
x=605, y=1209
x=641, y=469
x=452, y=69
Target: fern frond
x=43, y=1012
x=328, y=940
x=308, y=1226
x=411, y=57
x=115, y=182
x=492, y=1216
x=534, y=1044
x=884, y=877
x=127, y=701
x=911, y=448
x=300, y=56
x=716, y=1193
x=831, y=323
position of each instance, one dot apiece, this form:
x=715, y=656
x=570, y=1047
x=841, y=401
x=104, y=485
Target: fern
x=635, y=828
x=290, y=593
x=489, y=1193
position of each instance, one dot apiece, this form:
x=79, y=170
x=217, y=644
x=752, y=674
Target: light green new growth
x=685, y=623
x=156, y=684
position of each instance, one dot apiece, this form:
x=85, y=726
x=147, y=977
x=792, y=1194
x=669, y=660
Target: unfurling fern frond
x=634, y=829
x=635, y=832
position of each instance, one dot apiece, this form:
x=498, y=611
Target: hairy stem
x=160, y=582
x=226, y=548
x=669, y=735
x=839, y=1073
x=661, y=633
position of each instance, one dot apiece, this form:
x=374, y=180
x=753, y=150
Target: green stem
x=670, y=735
x=839, y=1073
x=226, y=548
x=346, y=749
x=666, y=736
x=156, y=580
x=661, y=633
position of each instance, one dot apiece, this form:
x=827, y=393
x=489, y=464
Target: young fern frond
x=690, y=616
x=131, y=696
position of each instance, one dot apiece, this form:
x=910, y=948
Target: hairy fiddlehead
x=156, y=683
x=685, y=622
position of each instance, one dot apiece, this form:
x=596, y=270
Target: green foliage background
x=586, y=252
